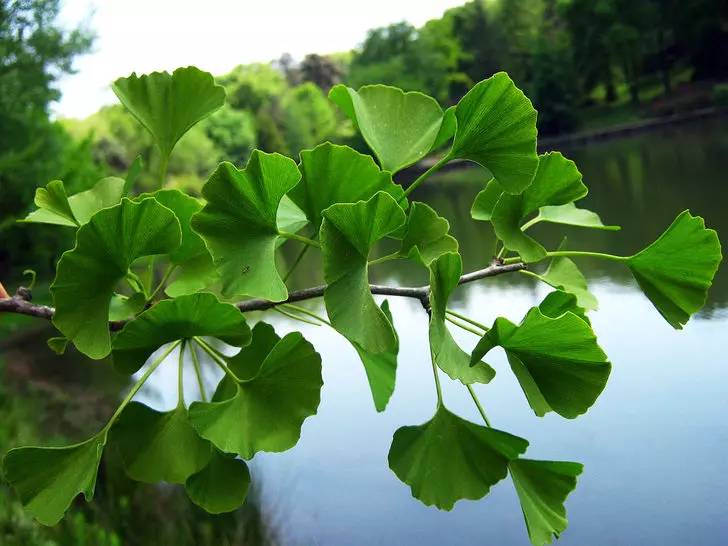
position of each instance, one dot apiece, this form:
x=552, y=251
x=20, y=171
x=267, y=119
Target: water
x=654, y=445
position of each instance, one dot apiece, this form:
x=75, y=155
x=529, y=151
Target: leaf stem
x=180, y=376
x=576, y=253
x=217, y=359
x=296, y=262
x=383, y=259
x=295, y=317
x=531, y=222
x=164, y=163
x=301, y=238
x=477, y=403
x=305, y=311
x=463, y=326
x=420, y=179
x=437, y=379
x=165, y=278
x=138, y=385
x=198, y=372
x=467, y=319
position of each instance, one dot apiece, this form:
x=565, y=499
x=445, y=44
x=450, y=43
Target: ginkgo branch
x=21, y=304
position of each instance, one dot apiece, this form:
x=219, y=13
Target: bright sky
x=216, y=35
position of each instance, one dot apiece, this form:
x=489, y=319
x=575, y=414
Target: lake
x=655, y=444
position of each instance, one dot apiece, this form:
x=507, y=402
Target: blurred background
x=635, y=91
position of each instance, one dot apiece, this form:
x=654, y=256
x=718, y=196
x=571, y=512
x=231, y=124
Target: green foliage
x=178, y=255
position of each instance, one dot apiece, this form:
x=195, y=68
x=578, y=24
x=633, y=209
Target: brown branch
x=21, y=304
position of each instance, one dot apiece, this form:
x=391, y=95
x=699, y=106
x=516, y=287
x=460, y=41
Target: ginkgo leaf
x=159, y=446
x=485, y=201
x=107, y=192
x=447, y=128
x=221, y=486
x=496, y=127
x=168, y=105
x=676, y=271
x=47, y=479
x=290, y=217
x=105, y=248
x=426, y=237
x=195, y=269
x=125, y=307
x=563, y=274
x=400, y=128
x=557, y=361
x=132, y=174
x=381, y=368
x=199, y=314
x=558, y=302
x=447, y=354
x=267, y=411
x=239, y=223
x=338, y=174
x=348, y=233
x=570, y=215
x=448, y=458
x=57, y=344
x=542, y=488
x=557, y=182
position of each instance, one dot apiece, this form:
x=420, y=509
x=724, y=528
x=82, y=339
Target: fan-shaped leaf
x=542, y=488
x=337, y=174
x=563, y=274
x=266, y=412
x=449, y=458
x=47, y=479
x=348, y=233
x=239, y=223
x=485, y=201
x=496, y=127
x=180, y=318
x=105, y=248
x=157, y=446
x=55, y=208
x=570, y=215
x=221, y=486
x=168, y=105
x=381, y=368
x=557, y=361
x=447, y=354
x=426, y=237
x=676, y=270
x=400, y=128
x=558, y=302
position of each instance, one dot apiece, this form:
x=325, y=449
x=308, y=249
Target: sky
x=215, y=35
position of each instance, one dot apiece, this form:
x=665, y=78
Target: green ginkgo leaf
x=496, y=127
x=448, y=458
x=184, y=317
x=557, y=361
x=381, y=368
x=558, y=302
x=557, y=182
x=447, y=354
x=55, y=208
x=105, y=248
x=267, y=411
x=570, y=215
x=168, y=105
x=47, y=479
x=125, y=307
x=542, y=488
x=676, y=270
x=485, y=201
x=221, y=486
x=427, y=235
x=239, y=223
x=194, y=268
x=348, y=233
x=337, y=174
x=159, y=446
x=563, y=274
x=400, y=128
x=290, y=217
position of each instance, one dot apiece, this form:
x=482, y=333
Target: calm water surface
x=655, y=444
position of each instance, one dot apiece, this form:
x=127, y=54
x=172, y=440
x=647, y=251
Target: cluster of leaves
x=222, y=247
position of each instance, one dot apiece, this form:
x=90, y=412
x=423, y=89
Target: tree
x=320, y=70
x=209, y=262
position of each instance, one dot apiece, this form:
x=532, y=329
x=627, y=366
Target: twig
x=21, y=304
